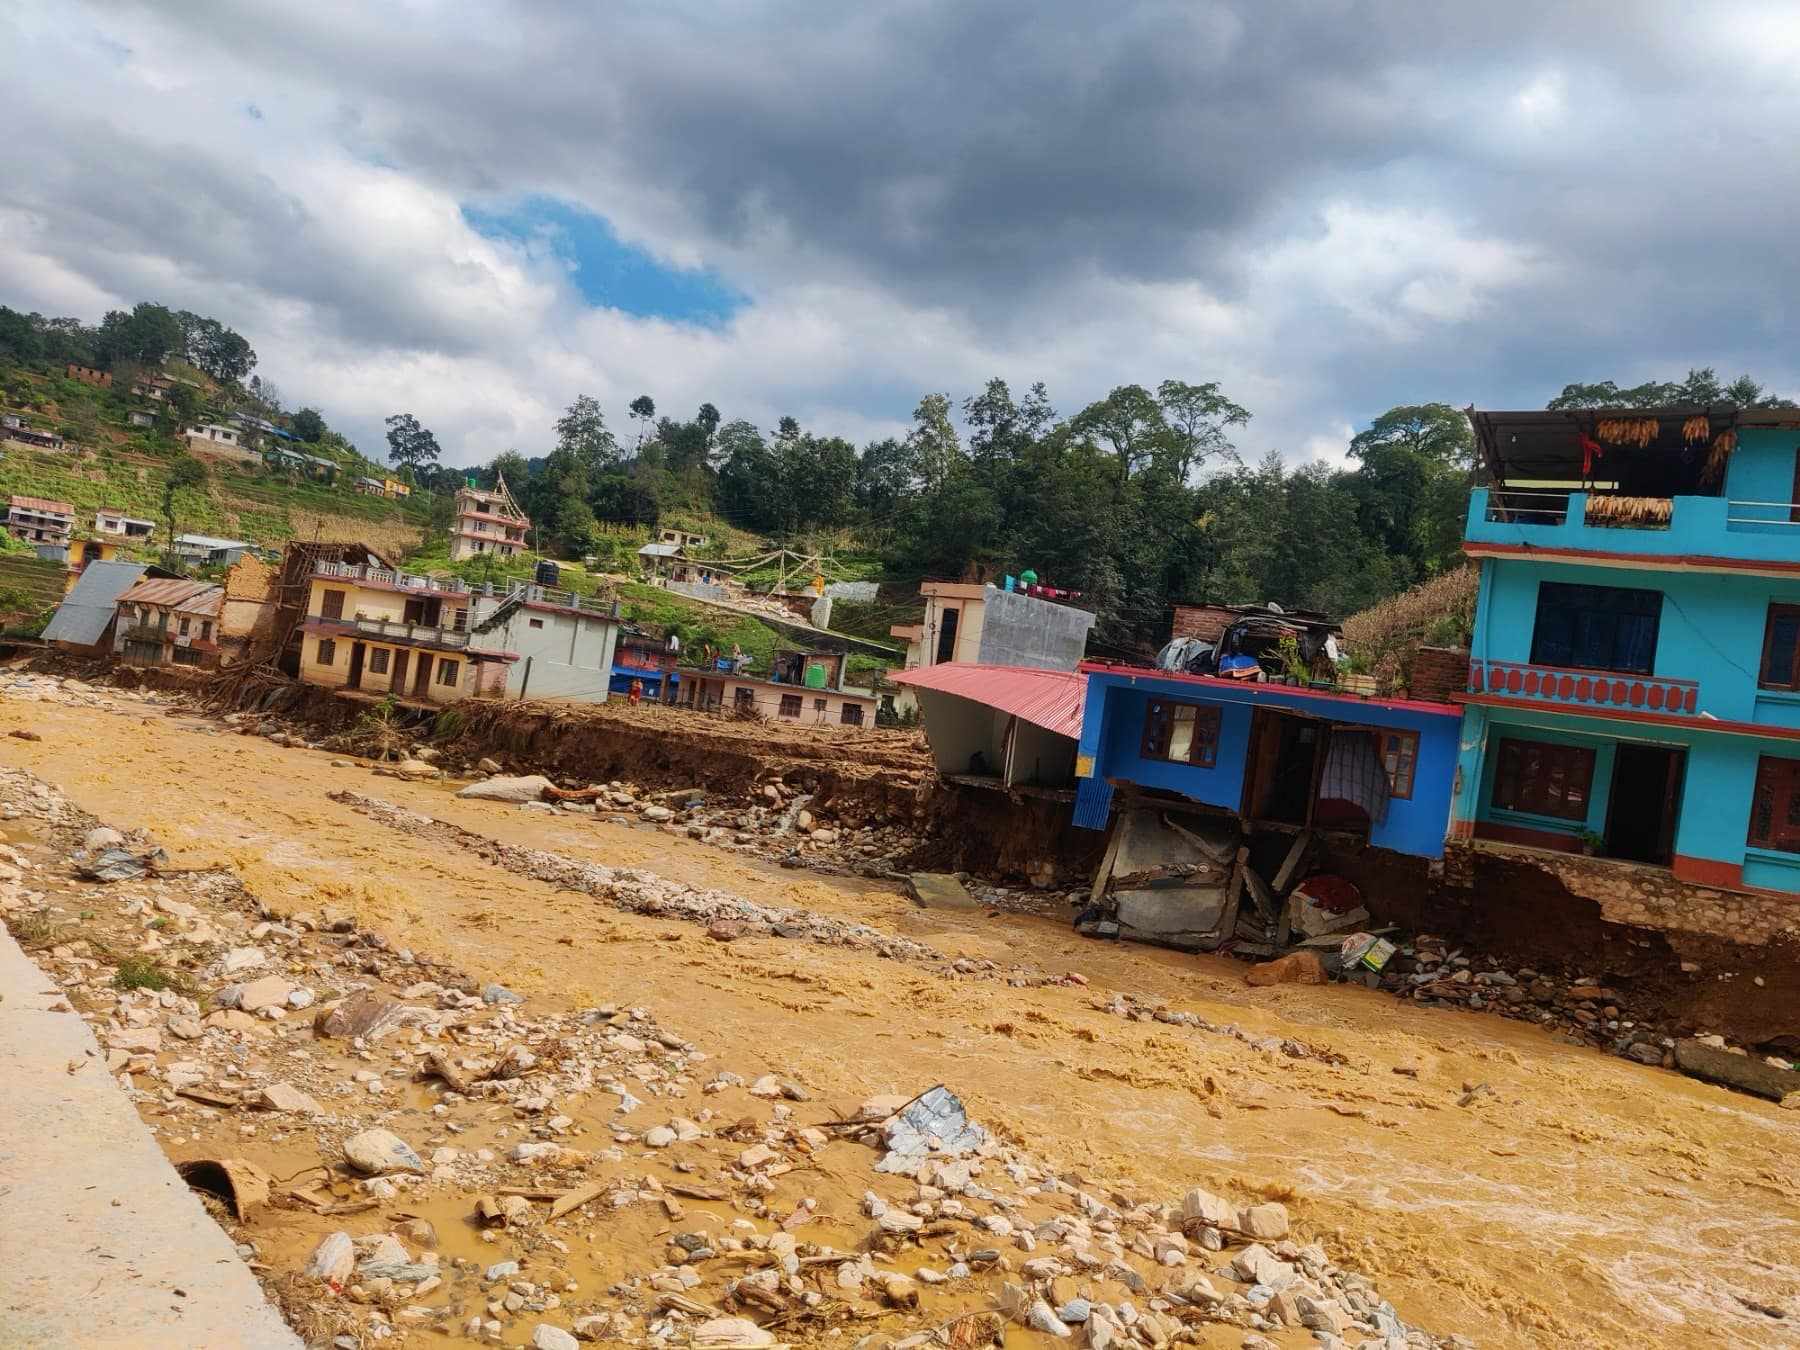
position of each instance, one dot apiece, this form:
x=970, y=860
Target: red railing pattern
x=1585, y=688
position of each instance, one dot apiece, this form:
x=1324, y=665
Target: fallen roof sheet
x=172, y=593
x=1050, y=699
x=86, y=610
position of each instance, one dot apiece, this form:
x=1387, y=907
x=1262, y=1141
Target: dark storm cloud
x=1575, y=190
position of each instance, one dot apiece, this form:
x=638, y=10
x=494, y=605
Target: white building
x=108, y=521
x=564, y=642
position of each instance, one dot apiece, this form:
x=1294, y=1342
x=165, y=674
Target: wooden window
x=744, y=697
x=206, y=630
x=790, y=705
x=819, y=708
x=327, y=653
x=1399, y=751
x=1543, y=779
x=378, y=660
x=851, y=715
x=332, y=605
x=185, y=623
x=449, y=672
x=534, y=623
x=1596, y=627
x=1781, y=649
x=1775, y=809
x=1185, y=733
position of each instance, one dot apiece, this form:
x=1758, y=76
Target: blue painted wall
x=1113, y=727
x=1711, y=631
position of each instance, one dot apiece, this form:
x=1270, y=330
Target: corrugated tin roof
x=208, y=541
x=86, y=610
x=659, y=550
x=1050, y=699
x=43, y=504
x=170, y=593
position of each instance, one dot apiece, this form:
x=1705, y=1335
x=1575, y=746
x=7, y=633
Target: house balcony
x=1585, y=691
x=393, y=580
x=1658, y=534
x=394, y=631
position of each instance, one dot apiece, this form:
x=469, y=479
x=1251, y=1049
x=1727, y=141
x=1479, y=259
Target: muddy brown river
x=1584, y=1200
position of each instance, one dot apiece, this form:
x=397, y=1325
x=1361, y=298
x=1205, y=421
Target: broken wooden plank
x=1260, y=892
x=695, y=1192
x=1104, y=874
x=576, y=1198
x=529, y=1192
x=1291, y=864
x=206, y=1098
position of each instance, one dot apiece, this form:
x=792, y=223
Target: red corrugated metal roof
x=1050, y=699
x=167, y=591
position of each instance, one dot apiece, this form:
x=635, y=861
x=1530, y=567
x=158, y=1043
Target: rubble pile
x=467, y=1166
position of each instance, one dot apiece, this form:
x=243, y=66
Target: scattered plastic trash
x=933, y=1124
x=1366, y=950
x=119, y=864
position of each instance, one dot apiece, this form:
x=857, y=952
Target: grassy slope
x=116, y=465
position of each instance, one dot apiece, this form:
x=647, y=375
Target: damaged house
x=1634, y=689
x=1218, y=789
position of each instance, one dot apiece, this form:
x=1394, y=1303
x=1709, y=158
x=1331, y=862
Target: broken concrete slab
x=939, y=890
x=1746, y=1073
x=527, y=788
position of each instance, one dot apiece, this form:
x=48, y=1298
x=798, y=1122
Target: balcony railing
x=382, y=576
x=1578, y=690
x=1685, y=528
x=604, y=605
x=418, y=634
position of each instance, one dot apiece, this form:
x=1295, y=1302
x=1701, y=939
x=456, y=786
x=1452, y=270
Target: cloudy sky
x=474, y=212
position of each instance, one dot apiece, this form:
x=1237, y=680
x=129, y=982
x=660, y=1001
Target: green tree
x=1413, y=474
x=514, y=467
x=582, y=432
x=1129, y=422
x=933, y=440
x=145, y=336
x=1198, y=415
x=410, y=446
x=308, y=425
x=643, y=412
x=186, y=474
x=1701, y=387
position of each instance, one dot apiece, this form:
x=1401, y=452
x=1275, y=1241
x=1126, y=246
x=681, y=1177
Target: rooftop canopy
x=1646, y=452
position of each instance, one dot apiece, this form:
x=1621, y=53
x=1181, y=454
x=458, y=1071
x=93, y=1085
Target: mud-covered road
x=1584, y=1200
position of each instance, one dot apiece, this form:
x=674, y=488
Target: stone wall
x=1652, y=897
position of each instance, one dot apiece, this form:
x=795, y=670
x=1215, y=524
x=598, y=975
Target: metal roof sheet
x=171, y=593
x=659, y=550
x=86, y=610
x=209, y=541
x=1050, y=699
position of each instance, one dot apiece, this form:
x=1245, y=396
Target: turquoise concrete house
x=1634, y=686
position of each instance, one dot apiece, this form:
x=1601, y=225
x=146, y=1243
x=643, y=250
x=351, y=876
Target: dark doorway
x=356, y=665
x=946, y=646
x=1646, y=793
x=397, y=681
x=422, y=685
x=1281, y=769
x=425, y=613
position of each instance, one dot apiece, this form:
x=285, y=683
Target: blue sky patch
x=607, y=271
